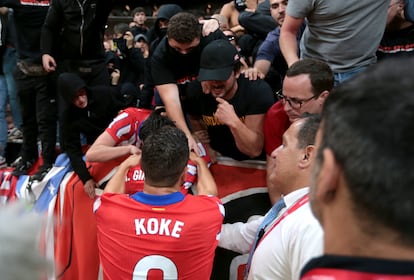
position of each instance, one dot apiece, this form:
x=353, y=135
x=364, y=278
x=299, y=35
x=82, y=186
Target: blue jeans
x=341, y=77
x=9, y=63
x=3, y=121
x=409, y=10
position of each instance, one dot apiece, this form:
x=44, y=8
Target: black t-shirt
x=169, y=66
x=251, y=98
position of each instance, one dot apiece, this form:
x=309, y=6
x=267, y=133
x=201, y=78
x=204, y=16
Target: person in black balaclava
x=159, y=30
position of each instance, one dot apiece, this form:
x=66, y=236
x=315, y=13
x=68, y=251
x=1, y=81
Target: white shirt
x=285, y=248
x=239, y=237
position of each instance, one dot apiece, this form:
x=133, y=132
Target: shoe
x=16, y=161
x=3, y=162
x=22, y=167
x=15, y=134
x=41, y=173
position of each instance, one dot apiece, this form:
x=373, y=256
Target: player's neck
x=149, y=189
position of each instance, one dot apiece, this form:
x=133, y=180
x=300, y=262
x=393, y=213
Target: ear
x=322, y=97
x=328, y=178
x=307, y=156
x=324, y=94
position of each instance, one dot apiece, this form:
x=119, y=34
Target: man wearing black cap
x=230, y=107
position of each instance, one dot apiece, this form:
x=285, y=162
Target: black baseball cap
x=217, y=61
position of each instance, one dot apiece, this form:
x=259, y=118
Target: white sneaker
x=16, y=162
x=3, y=162
x=15, y=134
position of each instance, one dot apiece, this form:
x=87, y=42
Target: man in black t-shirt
x=229, y=107
x=175, y=63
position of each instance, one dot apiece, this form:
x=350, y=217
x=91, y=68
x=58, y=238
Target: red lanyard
x=341, y=274
x=300, y=202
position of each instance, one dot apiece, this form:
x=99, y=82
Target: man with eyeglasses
x=306, y=85
x=270, y=63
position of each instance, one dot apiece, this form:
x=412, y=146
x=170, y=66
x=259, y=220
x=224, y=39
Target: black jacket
x=28, y=19
x=78, y=27
x=91, y=121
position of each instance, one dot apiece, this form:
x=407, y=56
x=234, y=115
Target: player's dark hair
x=154, y=121
x=164, y=156
x=183, y=28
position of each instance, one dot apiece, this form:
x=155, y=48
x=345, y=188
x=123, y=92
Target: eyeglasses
x=230, y=37
x=293, y=102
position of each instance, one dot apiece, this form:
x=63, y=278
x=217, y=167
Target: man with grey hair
x=282, y=241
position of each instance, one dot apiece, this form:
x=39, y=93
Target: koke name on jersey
x=161, y=226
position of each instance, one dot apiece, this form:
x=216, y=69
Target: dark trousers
x=38, y=105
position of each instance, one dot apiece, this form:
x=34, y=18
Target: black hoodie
x=103, y=106
x=165, y=12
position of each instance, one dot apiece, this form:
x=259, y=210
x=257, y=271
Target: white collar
x=294, y=196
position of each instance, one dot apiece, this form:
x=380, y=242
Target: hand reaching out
x=202, y=136
x=253, y=74
x=209, y=26
x=192, y=144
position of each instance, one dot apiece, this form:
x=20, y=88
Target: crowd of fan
x=246, y=82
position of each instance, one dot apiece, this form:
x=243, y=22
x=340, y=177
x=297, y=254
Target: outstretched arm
x=104, y=148
x=288, y=38
x=171, y=98
x=258, y=71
